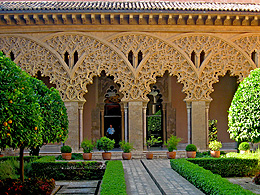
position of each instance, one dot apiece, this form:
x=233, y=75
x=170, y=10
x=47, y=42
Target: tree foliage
x=244, y=112
x=21, y=123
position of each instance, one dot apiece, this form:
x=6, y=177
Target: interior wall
x=89, y=106
x=177, y=97
x=222, y=96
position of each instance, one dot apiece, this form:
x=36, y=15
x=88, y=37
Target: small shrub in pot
x=171, y=144
x=88, y=147
x=127, y=148
x=244, y=146
x=191, y=150
x=215, y=147
x=66, y=152
x=106, y=144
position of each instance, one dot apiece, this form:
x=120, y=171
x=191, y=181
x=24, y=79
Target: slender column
x=80, y=122
x=144, y=122
x=125, y=117
x=122, y=124
x=102, y=123
x=207, y=122
x=188, y=106
x=164, y=121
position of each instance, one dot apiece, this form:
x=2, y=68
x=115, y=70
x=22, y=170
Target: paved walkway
x=155, y=177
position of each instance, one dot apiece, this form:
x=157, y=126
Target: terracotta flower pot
x=87, y=156
x=171, y=155
x=126, y=156
x=191, y=154
x=66, y=156
x=1, y=155
x=149, y=155
x=215, y=154
x=106, y=155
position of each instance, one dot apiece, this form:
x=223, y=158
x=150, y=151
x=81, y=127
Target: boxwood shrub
x=228, y=167
x=205, y=180
x=113, y=181
x=67, y=170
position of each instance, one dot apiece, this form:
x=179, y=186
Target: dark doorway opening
x=112, y=115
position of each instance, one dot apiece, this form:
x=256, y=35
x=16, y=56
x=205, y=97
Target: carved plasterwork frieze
x=219, y=56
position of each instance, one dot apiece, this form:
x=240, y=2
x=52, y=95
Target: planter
x=191, y=154
x=127, y=156
x=149, y=155
x=87, y=156
x=106, y=155
x=171, y=155
x=66, y=156
x=1, y=155
x=215, y=154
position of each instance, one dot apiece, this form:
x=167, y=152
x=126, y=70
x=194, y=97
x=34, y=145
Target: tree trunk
x=21, y=164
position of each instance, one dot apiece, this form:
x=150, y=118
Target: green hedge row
x=68, y=170
x=113, y=181
x=26, y=158
x=205, y=180
x=228, y=167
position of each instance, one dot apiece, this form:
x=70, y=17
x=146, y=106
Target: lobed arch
x=97, y=55
x=159, y=56
x=221, y=56
x=33, y=56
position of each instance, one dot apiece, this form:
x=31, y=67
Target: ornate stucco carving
x=215, y=56
x=220, y=56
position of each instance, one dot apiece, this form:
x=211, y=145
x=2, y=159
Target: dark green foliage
x=205, y=180
x=172, y=143
x=154, y=123
x=106, y=144
x=127, y=147
x=65, y=149
x=213, y=130
x=206, y=154
x=113, y=181
x=228, y=167
x=243, y=118
x=26, y=158
x=87, y=146
x=68, y=170
x=191, y=147
x=30, y=186
x=74, y=156
x=244, y=146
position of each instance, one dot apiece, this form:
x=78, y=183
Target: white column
x=188, y=106
x=80, y=122
x=144, y=122
x=207, y=121
x=126, y=116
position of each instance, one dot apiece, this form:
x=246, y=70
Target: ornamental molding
x=220, y=18
x=197, y=59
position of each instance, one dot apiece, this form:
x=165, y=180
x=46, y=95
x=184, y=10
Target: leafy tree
x=20, y=113
x=53, y=112
x=244, y=112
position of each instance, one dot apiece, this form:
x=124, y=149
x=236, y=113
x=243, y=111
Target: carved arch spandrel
x=159, y=56
x=96, y=55
x=221, y=56
x=33, y=56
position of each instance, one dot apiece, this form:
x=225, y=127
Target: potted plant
x=214, y=147
x=1, y=155
x=171, y=144
x=191, y=150
x=87, y=146
x=105, y=144
x=244, y=147
x=66, y=152
x=126, y=147
x=150, y=142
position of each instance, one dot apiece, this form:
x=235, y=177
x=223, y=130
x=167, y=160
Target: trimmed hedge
x=26, y=158
x=113, y=181
x=67, y=170
x=205, y=180
x=228, y=167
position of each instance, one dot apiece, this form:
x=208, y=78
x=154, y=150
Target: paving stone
x=77, y=191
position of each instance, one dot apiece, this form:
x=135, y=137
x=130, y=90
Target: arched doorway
x=112, y=114
x=154, y=114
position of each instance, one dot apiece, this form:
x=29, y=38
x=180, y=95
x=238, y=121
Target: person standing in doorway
x=110, y=132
